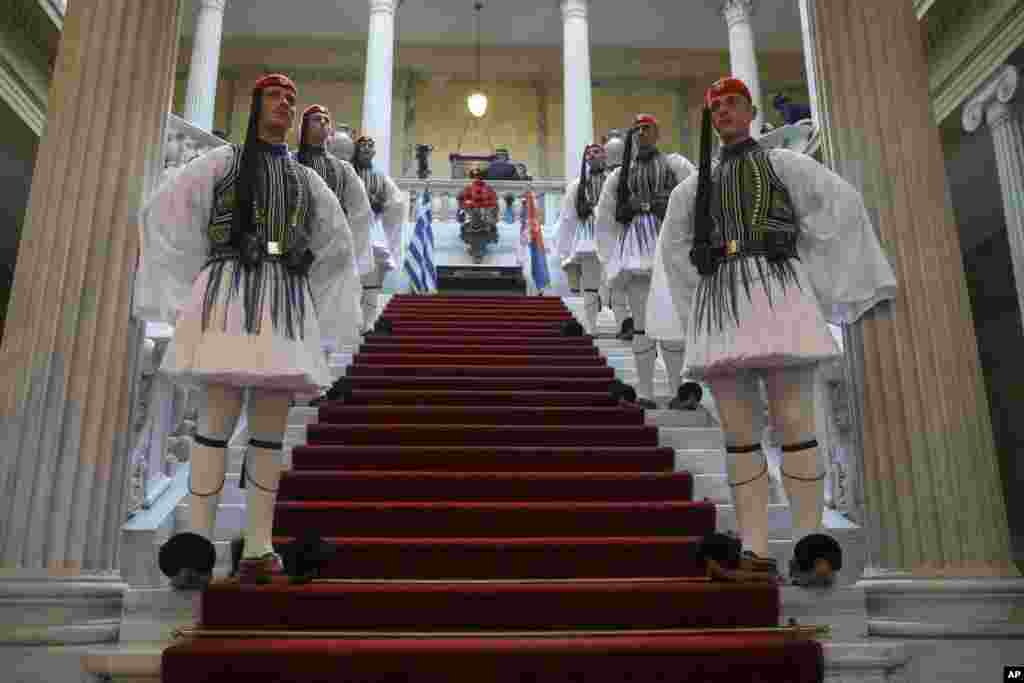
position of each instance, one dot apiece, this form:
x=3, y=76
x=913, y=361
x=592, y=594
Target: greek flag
x=419, y=261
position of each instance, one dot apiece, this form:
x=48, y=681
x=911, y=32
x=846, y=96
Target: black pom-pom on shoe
x=187, y=559
x=307, y=557
x=620, y=391
x=688, y=397
x=572, y=328
x=816, y=560
x=626, y=331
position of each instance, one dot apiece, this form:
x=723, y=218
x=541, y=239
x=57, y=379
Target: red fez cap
x=275, y=79
x=645, y=120
x=726, y=86
x=363, y=138
x=593, y=146
x=316, y=109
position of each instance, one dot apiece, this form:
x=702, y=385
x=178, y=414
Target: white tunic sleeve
x=838, y=246
x=173, y=240
x=681, y=166
x=357, y=206
x=606, y=229
x=567, y=220
x=674, y=278
x=393, y=219
x=334, y=277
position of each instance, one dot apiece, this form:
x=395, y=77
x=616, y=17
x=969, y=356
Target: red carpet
x=549, y=361
x=496, y=516
x=545, y=383
x=479, y=370
x=435, y=397
x=505, y=350
x=490, y=458
x=483, y=435
x=593, y=659
x=348, y=485
x=506, y=415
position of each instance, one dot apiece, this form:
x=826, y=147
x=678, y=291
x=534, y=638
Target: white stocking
x=673, y=353
x=618, y=300
x=736, y=397
x=791, y=405
x=645, y=351
x=268, y=415
x=591, y=280
x=371, y=294
x=218, y=414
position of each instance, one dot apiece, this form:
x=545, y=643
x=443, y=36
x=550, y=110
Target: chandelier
x=477, y=102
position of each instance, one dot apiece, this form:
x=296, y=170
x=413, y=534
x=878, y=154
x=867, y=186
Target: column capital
x=574, y=9
x=991, y=100
x=737, y=11
x=383, y=6
x=217, y=5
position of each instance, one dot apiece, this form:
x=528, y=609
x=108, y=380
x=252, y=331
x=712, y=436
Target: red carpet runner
x=498, y=518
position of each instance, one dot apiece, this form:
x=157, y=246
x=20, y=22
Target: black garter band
x=267, y=446
x=795, y=448
x=748, y=449
x=209, y=443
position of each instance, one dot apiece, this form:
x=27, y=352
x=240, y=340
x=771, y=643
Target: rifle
x=700, y=253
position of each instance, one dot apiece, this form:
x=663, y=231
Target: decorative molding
x=56, y=10
x=905, y=607
x=383, y=6
x=19, y=96
x=33, y=21
x=921, y=7
x=40, y=608
x=25, y=64
x=574, y=9
x=966, y=43
x=998, y=90
x=737, y=11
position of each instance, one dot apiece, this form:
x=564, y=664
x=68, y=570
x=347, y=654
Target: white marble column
x=578, y=110
x=66, y=372
x=994, y=103
x=377, y=96
x=201, y=93
x=742, y=55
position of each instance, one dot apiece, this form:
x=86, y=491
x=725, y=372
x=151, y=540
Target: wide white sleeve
x=838, y=246
x=674, y=278
x=357, y=207
x=393, y=219
x=173, y=240
x=606, y=229
x=334, y=277
x=681, y=166
x=567, y=220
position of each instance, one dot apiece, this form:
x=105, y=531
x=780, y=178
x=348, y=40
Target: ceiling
x=685, y=24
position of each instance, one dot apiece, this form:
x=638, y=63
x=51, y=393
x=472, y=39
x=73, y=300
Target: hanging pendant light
x=477, y=102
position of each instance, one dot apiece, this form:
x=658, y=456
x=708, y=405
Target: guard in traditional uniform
x=249, y=255
x=577, y=248
x=389, y=207
x=629, y=215
x=757, y=254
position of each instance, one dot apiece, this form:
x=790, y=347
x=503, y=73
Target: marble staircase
x=153, y=611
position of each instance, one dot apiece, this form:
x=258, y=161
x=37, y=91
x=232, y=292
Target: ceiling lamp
x=477, y=102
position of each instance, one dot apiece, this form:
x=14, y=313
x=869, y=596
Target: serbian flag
x=538, y=254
